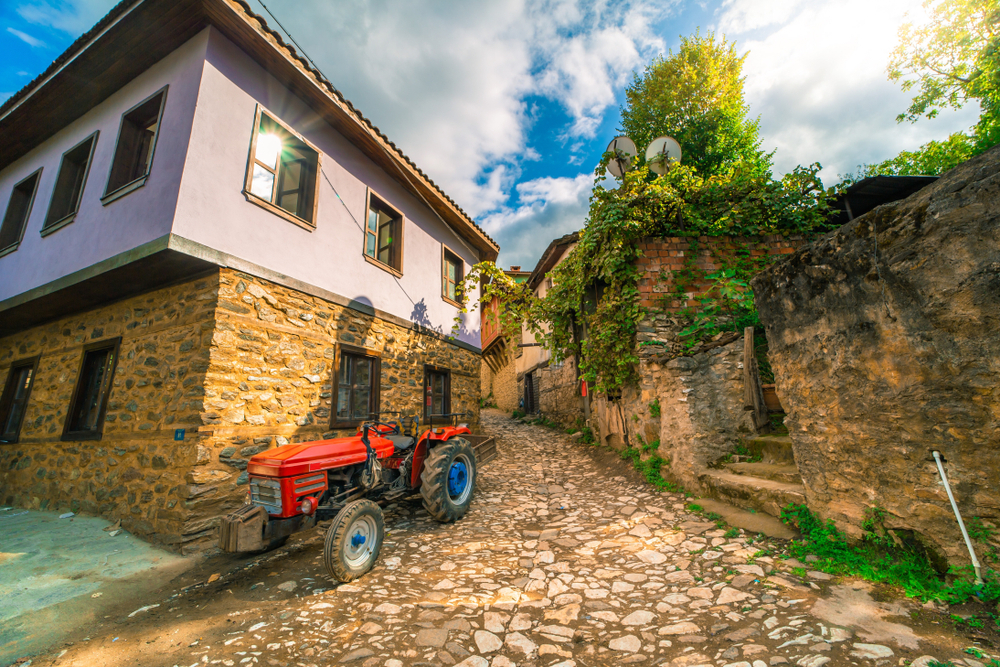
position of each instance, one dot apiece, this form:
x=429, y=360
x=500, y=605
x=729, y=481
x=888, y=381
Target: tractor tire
x=354, y=540
x=448, y=480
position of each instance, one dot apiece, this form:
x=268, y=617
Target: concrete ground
x=567, y=558
x=58, y=574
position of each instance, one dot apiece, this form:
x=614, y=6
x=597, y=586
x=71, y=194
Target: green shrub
x=654, y=408
x=517, y=414
x=880, y=558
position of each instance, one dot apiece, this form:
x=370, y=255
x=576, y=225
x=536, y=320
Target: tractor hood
x=320, y=455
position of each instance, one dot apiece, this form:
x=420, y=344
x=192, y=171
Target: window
x=69, y=185
x=384, y=234
x=85, y=420
x=134, y=151
x=356, y=387
x=452, y=271
x=18, y=210
x=282, y=172
x=14, y=400
x=437, y=392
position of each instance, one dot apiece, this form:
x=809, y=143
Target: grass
x=884, y=558
x=650, y=468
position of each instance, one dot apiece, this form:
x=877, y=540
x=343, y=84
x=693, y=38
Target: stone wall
x=559, y=393
x=700, y=404
x=878, y=364
x=137, y=472
x=240, y=363
x=502, y=386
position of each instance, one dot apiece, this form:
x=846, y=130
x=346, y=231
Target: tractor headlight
x=308, y=505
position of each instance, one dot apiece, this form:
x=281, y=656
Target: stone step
x=752, y=522
x=778, y=472
x=763, y=495
x=772, y=448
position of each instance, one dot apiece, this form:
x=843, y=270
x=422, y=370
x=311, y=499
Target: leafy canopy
x=696, y=96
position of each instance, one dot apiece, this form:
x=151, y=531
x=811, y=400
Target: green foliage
x=517, y=414
x=937, y=663
x=952, y=59
x=650, y=446
x=654, y=408
x=696, y=96
x=726, y=306
x=588, y=436
x=731, y=533
x=880, y=558
x=979, y=531
x=649, y=469
x=692, y=507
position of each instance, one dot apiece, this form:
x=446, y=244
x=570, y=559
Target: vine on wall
x=592, y=310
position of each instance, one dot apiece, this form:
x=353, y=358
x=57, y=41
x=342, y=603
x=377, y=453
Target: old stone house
x=207, y=251
x=498, y=375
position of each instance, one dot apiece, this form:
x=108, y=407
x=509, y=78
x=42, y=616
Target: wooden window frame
x=55, y=225
x=68, y=435
x=384, y=203
x=134, y=184
x=445, y=251
x=27, y=214
x=376, y=388
x=251, y=161
x=429, y=368
x=7, y=397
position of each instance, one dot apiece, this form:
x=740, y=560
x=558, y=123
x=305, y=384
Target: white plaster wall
x=213, y=211
x=100, y=232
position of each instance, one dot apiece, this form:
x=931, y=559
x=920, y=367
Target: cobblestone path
x=561, y=562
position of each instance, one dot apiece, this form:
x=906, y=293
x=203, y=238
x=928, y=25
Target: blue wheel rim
x=458, y=479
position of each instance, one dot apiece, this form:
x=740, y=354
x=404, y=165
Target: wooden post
x=753, y=395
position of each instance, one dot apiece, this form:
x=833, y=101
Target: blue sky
x=508, y=104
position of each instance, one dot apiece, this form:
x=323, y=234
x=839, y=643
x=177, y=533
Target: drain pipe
x=961, y=524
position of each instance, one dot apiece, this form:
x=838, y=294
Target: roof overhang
x=871, y=192
x=136, y=34
x=550, y=258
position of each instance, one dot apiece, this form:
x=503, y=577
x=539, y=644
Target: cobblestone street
x=560, y=562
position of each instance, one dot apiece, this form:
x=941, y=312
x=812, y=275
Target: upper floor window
x=14, y=400
x=281, y=174
x=18, y=210
x=85, y=420
x=453, y=271
x=134, y=151
x=384, y=234
x=69, y=185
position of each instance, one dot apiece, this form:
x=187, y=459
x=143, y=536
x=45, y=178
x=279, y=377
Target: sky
x=509, y=104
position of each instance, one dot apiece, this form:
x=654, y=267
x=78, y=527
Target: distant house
x=207, y=251
x=521, y=374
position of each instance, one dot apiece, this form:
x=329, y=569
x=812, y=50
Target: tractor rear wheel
x=354, y=540
x=448, y=480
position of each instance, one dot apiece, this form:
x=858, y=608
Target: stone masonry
x=885, y=340
x=240, y=363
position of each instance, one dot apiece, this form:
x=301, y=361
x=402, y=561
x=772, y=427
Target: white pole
x=961, y=524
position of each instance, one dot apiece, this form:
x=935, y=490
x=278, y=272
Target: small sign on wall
x=178, y=434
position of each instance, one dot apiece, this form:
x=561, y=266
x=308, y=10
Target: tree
x=696, y=96
x=931, y=159
x=951, y=60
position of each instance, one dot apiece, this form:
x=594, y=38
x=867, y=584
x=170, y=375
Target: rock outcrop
x=885, y=340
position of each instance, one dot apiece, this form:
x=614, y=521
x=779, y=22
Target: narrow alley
x=563, y=560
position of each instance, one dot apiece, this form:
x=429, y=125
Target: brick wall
x=662, y=256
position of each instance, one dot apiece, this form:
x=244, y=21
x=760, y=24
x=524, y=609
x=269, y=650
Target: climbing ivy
x=592, y=310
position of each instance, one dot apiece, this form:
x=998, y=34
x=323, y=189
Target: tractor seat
x=401, y=442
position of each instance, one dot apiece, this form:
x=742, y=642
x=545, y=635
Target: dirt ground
x=567, y=558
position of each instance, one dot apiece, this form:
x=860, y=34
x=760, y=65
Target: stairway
x=765, y=486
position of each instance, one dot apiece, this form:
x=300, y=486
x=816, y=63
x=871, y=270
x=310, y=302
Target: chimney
x=515, y=268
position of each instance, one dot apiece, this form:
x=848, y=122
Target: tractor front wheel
x=354, y=540
x=448, y=480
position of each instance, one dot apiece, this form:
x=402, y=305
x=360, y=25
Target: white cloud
x=818, y=80
x=548, y=208
x=70, y=16
x=26, y=38
x=447, y=81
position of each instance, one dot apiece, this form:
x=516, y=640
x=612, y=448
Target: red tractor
x=348, y=479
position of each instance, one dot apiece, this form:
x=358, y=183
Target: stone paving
x=559, y=563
